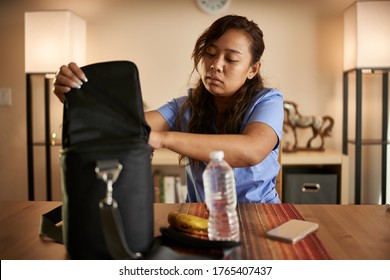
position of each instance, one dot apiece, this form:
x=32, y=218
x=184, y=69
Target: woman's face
x=226, y=64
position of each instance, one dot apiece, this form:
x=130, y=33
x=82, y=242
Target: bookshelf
x=166, y=161
x=168, y=176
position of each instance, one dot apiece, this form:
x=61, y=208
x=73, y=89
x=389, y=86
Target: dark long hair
x=200, y=101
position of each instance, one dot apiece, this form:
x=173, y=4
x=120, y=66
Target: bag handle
x=112, y=226
x=113, y=233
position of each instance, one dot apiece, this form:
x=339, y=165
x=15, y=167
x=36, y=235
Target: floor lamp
x=366, y=52
x=52, y=38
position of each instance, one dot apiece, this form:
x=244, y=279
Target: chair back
x=278, y=185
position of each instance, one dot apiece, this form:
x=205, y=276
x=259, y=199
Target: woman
x=229, y=109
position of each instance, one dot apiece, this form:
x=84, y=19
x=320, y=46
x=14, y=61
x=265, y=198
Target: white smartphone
x=292, y=230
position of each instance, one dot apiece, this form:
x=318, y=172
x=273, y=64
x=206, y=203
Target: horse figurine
x=321, y=126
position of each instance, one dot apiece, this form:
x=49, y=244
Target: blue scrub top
x=255, y=183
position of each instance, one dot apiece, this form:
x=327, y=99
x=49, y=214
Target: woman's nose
x=217, y=65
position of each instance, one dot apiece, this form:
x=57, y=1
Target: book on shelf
x=157, y=186
x=168, y=188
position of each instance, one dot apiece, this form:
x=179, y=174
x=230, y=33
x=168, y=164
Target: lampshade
x=53, y=38
x=367, y=35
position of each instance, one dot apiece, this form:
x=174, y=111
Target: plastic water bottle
x=221, y=199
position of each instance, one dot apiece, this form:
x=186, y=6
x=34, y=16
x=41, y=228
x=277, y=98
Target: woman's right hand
x=68, y=77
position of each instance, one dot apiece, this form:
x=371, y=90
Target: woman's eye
x=208, y=54
x=231, y=60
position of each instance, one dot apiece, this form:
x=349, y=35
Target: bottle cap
x=217, y=155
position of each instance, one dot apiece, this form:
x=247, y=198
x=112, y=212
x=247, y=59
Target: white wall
x=303, y=58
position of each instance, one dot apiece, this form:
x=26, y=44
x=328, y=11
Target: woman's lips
x=214, y=80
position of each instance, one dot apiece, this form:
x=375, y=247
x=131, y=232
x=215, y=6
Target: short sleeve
x=170, y=110
x=268, y=109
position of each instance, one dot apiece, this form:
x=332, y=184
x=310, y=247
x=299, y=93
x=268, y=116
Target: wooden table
x=347, y=231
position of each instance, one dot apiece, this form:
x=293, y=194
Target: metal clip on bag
x=106, y=166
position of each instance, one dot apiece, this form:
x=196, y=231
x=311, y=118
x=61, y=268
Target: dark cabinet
x=310, y=188
x=315, y=177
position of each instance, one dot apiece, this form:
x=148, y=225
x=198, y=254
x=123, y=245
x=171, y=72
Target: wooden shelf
x=312, y=157
x=370, y=142
x=165, y=157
